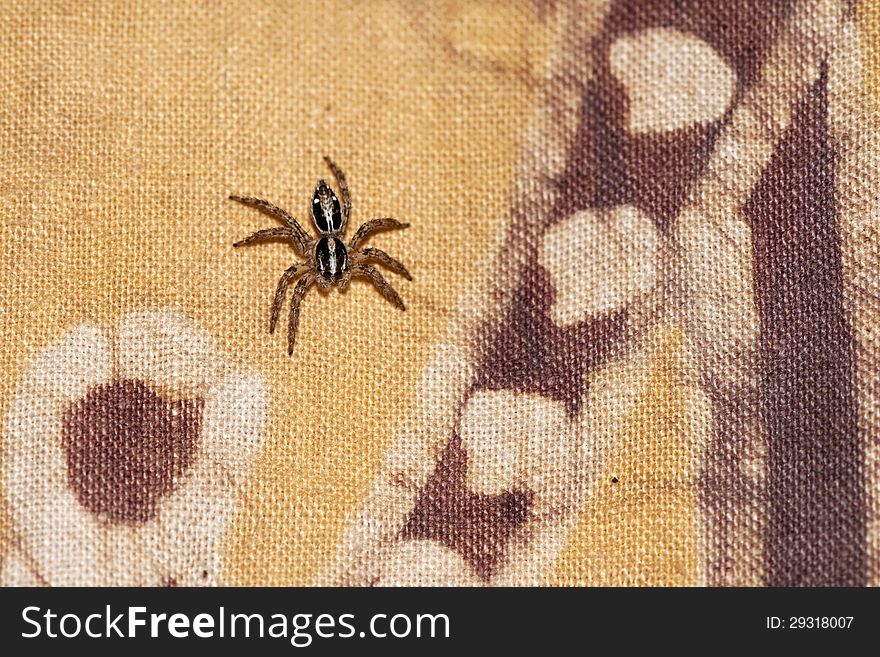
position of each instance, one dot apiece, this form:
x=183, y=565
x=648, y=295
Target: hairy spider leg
x=343, y=191
x=280, y=291
x=383, y=258
x=300, y=234
x=266, y=233
x=376, y=279
x=371, y=227
x=295, y=300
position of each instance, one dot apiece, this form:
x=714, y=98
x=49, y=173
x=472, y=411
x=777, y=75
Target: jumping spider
x=328, y=261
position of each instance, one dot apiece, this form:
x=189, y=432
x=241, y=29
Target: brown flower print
x=127, y=449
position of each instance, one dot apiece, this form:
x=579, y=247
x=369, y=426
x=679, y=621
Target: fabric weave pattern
x=642, y=342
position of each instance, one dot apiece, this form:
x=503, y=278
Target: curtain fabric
x=641, y=345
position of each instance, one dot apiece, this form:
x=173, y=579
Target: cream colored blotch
x=673, y=79
x=599, y=262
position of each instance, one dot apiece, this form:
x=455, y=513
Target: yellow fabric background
x=125, y=128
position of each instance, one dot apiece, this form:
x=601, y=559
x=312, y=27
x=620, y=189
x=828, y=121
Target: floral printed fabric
x=129, y=448
x=640, y=346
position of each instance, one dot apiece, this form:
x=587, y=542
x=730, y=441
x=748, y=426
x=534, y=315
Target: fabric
x=641, y=343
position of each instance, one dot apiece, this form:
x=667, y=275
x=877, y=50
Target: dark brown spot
x=614, y=480
x=661, y=168
x=475, y=526
x=168, y=582
x=125, y=446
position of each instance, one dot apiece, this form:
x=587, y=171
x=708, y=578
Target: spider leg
x=280, y=291
x=298, y=232
x=343, y=190
x=376, y=279
x=371, y=227
x=266, y=233
x=298, y=293
x=383, y=258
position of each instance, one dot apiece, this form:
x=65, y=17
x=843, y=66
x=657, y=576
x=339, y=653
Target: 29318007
x=809, y=622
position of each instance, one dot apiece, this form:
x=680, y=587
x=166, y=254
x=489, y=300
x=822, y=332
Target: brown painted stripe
x=816, y=530
x=608, y=167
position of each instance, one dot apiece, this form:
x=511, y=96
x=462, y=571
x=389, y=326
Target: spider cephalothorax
x=328, y=260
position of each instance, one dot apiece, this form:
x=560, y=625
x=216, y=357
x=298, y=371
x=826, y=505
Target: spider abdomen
x=326, y=210
x=331, y=259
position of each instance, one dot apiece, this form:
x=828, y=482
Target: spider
x=328, y=261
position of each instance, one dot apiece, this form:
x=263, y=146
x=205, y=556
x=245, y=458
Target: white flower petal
x=127, y=559
x=187, y=537
x=70, y=545
x=55, y=530
x=167, y=351
x=15, y=572
x=426, y=563
x=66, y=371
x=493, y=446
x=233, y=422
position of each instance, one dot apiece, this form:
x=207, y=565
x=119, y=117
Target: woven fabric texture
x=641, y=343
